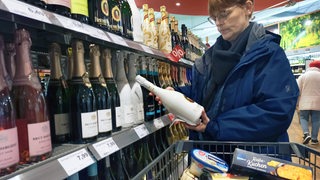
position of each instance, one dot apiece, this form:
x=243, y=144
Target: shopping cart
x=174, y=160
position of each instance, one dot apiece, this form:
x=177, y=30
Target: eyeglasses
x=223, y=15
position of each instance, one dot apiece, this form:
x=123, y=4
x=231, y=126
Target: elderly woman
x=244, y=81
x=309, y=102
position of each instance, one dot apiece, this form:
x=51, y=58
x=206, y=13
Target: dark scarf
x=225, y=56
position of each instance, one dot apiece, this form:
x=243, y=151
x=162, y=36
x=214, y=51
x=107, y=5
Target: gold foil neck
x=94, y=50
x=107, y=53
x=22, y=35
x=145, y=6
x=55, y=49
x=77, y=45
x=162, y=8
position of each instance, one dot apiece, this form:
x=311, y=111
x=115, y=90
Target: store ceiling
x=194, y=13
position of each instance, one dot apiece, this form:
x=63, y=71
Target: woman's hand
x=203, y=124
x=158, y=98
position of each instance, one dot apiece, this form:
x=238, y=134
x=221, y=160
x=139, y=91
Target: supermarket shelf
x=80, y=156
x=295, y=65
x=17, y=14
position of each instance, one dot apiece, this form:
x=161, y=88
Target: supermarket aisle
x=295, y=133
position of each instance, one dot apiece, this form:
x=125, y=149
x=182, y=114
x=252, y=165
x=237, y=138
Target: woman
x=244, y=81
x=309, y=102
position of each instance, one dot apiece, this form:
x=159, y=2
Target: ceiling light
x=178, y=4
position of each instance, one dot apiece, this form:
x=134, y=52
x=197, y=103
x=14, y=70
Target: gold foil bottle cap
x=55, y=48
x=77, y=46
x=94, y=50
x=145, y=7
x=22, y=35
x=107, y=53
x=150, y=10
x=162, y=8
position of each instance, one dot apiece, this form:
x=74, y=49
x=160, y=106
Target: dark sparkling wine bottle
x=58, y=99
x=9, y=147
x=104, y=169
x=126, y=15
x=149, y=103
x=62, y=7
x=83, y=105
x=115, y=17
x=131, y=160
x=113, y=91
x=99, y=14
x=31, y=109
x=145, y=158
x=103, y=99
x=117, y=167
x=90, y=172
x=80, y=10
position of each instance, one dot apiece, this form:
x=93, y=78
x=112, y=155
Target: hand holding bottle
x=201, y=127
x=183, y=107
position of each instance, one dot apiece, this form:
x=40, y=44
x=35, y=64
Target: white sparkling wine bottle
x=183, y=108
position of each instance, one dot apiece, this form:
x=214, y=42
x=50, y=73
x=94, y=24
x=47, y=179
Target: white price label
x=158, y=123
x=105, y=147
x=72, y=24
x=23, y=9
x=96, y=33
x=117, y=39
x=147, y=49
x=141, y=130
x=76, y=161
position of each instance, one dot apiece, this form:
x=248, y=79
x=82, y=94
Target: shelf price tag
x=158, y=123
x=76, y=161
x=26, y=10
x=71, y=24
x=96, y=33
x=147, y=49
x=105, y=147
x=117, y=39
x=141, y=130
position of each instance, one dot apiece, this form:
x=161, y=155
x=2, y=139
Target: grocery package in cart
x=174, y=162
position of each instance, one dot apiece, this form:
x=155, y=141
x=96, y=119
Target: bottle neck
x=121, y=74
x=132, y=71
x=3, y=71
x=95, y=69
x=55, y=56
x=79, y=69
x=24, y=67
x=107, y=72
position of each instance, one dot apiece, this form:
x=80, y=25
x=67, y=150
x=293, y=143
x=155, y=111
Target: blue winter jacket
x=257, y=101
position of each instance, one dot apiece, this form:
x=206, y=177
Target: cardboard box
x=265, y=167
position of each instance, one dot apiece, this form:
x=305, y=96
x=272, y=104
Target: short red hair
x=315, y=63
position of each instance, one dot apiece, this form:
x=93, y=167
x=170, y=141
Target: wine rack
x=46, y=27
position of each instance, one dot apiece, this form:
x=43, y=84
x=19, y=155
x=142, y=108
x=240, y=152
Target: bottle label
x=105, y=7
x=65, y=3
x=119, y=116
x=104, y=120
x=129, y=114
x=62, y=123
x=116, y=19
x=9, y=148
x=89, y=124
x=79, y=7
x=39, y=138
x=140, y=111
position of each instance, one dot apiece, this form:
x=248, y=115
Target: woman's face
x=233, y=20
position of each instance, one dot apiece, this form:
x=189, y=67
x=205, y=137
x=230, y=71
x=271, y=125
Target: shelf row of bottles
x=89, y=103
x=164, y=34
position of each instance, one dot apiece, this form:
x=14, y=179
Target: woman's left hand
x=201, y=127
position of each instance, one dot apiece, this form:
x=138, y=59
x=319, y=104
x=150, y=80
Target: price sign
x=158, y=123
x=105, y=147
x=141, y=130
x=147, y=49
x=76, y=161
x=96, y=33
x=72, y=24
x=117, y=39
x=176, y=54
x=23, y=9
